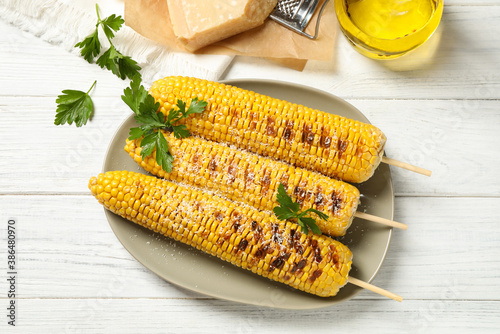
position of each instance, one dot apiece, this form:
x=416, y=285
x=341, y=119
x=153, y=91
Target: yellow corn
x=236, y=233
x=332, y=145
x=247, y=177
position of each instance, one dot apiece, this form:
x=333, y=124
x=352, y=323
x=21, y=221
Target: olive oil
x=388, y=28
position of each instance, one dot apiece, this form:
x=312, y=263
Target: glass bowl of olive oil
x=385, y=29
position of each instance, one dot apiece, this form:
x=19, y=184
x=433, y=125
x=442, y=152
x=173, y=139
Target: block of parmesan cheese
x=198, y=23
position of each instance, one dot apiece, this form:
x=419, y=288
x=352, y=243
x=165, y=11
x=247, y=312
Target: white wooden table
x=74, y=275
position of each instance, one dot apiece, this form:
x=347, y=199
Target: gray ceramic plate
x=194, y=270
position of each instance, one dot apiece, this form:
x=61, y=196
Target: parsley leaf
x=74, y=106
x=122, y=66
x=134, y=95
x=163, y=156
x=112, y=59
x=288, y=209
x=195, y=107
x=110, y=24
x=90, y=46
x=152, y=123
x=135, y=133
x=180, y=131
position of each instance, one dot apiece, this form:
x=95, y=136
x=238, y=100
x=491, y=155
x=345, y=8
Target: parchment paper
x=150, y=18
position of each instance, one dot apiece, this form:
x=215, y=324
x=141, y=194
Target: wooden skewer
x=405, y=165
x=374, y=288
x=380, y=220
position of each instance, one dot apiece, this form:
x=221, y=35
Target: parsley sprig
x=122, y=66
x=289, y=210
x=74, y=106
x=151, y=122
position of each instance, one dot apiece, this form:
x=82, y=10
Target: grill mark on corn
x=316, y=250
x=325, y=141
x=284, y=180
x=341, y=146
x=279, y=261
x=319, y=199
x=334, y=256
x=297, y=267
x=317, y=273
x=232, y=171
x=257, y=231
x=336, y=203
x=277, y=237
x=242, y=245
x=299, y=194
x=289, y=133
x=307, y=134
x=295, y=241
x=265, y=181
x=270, y=129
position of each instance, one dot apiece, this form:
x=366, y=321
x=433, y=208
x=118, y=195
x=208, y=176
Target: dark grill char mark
x=318, y=199
x=295, y=241
x=265, y=182
x=236, y=218
x=289, y=133
x=253, y=121
x=262, y=251
x=270, y=130
x=284, y=180
x=315, y=275
x=334, y=256
x=325, y=141
x=300, y=194
x=279, y=262
x=341, y=146
x=316, y=251
x=242, y=245
x=219, y=216
x=257, y=231
x=306, y=134
x=336, y=203
x=297, y=267
x=310, y=138
x=276, y=237
x=259, y=253
x=212, y=165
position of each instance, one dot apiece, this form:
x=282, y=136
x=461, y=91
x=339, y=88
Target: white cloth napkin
x=66, y=22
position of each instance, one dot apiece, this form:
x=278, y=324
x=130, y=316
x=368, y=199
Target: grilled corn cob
x=236, y=233
x=335, y=146
x=247, y=177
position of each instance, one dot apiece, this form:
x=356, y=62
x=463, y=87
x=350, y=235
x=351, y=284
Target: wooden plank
x=65, y=241
x=207, y=316
x=467, y=57
x=465, y=64
x=449, y=3
x=53, y=158
x=440, y=135
x=32, y=67
x=454, y=139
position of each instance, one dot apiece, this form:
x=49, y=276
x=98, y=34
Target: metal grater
x=296, y=14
